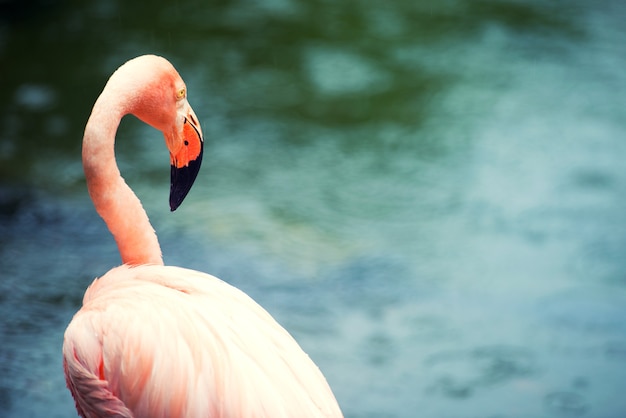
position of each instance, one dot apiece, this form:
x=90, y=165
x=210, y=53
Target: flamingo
x=158, y=341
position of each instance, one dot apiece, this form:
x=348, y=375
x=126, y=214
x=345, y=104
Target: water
x=430, y=198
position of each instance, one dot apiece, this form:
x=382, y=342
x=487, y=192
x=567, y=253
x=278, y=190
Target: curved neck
x=114, y=200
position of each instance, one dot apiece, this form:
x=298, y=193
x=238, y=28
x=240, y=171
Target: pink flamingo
x=158, y=341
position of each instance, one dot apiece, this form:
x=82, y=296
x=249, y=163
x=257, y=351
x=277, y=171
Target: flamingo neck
x=116, y=203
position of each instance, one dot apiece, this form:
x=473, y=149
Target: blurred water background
x=430, y=196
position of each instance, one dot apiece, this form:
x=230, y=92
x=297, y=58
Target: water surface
x=430, y=198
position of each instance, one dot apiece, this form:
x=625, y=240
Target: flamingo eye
x=180, y=93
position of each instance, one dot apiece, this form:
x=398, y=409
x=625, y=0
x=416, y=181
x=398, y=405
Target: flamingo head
x=162, y=103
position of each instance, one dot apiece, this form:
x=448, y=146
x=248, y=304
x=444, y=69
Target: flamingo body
x=158, y=341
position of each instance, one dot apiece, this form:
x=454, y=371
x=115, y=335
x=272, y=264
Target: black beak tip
x=181, y=181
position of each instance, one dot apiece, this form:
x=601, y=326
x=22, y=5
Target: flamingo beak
x=186, y=160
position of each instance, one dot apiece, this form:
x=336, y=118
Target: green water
x=430, y=196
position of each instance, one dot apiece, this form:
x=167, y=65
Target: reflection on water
x=429, y=197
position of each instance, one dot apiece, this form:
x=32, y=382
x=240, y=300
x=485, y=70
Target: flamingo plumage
x=161, y=341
